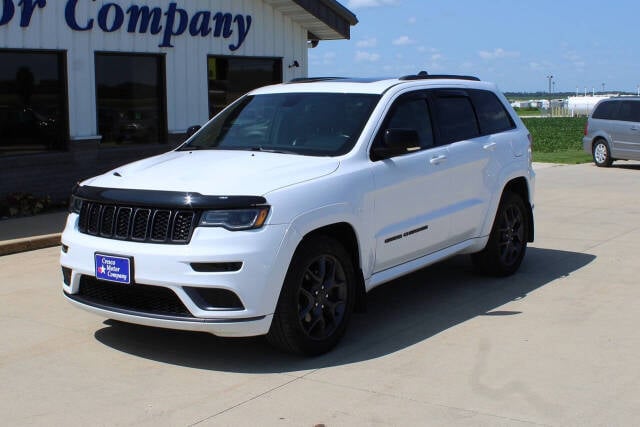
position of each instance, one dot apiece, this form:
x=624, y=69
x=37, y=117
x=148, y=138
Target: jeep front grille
x=151, y=225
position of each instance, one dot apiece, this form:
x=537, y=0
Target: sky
x=514, y=43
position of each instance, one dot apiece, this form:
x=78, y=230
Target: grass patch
x=558, y=139
x=525, y=113
x=569, y=157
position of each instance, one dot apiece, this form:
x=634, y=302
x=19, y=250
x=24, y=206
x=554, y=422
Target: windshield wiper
x=193, y=148
x=272, y=150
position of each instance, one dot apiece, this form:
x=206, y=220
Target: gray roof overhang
x=323, y=19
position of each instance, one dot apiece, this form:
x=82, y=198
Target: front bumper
x=264, y=255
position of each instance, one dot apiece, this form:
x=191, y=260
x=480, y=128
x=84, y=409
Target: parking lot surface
x=556, y=344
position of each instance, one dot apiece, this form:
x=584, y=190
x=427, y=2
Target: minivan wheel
x=316, y=300
x=508, y=239
x=602, y=154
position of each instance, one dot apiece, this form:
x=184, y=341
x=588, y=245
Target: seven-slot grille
x=138, y=224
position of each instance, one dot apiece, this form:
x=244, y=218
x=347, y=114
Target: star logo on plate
x=101, y=269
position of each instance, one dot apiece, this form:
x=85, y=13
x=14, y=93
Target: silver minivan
x=613, y=131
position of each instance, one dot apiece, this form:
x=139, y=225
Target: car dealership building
x=86, y=85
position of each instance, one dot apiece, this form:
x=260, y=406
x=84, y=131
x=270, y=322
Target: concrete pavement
x=556, y=344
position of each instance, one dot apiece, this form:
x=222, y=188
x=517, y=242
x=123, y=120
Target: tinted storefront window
x=130, y=98
x=230, y=78
x=33, y=102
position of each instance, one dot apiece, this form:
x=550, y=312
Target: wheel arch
x=520, y=187
x=345, y=234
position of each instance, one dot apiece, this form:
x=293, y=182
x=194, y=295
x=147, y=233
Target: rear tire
x=508, y=239
x=316, y=300
x=602, y=154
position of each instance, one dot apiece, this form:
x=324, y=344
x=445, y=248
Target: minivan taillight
x=586, y=128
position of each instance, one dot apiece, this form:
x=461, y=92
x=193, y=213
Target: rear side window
x=607, y=110
x=456, y=118
x=492, y=116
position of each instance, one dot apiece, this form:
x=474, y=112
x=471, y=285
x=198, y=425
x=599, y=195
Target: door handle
x=490, y=146
x=436, y=160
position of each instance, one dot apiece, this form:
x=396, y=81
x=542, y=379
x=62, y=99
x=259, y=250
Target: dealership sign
x=168, y=23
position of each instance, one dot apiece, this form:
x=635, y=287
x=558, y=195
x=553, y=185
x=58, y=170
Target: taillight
x=586, y=128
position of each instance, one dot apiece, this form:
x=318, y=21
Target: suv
x=613, y=131
x=281, y=213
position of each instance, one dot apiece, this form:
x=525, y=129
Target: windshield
x=314, y=124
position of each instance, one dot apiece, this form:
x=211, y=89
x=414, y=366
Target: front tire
x=602, y=154
x=508, y=239
x=316, y=300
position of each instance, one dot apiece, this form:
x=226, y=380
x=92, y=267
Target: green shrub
x=552, y=134
x=23, y=204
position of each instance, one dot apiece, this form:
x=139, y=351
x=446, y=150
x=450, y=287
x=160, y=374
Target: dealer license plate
x=113, y=268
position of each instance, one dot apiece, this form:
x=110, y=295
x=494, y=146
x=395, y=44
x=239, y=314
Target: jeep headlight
x=235, y=219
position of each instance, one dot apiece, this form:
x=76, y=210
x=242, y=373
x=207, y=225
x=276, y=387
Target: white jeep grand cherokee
x=281, y=213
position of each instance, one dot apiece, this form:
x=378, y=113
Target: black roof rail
x=313, y=79
x=423, y=75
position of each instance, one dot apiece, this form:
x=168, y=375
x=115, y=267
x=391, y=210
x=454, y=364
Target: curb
x=29, y=243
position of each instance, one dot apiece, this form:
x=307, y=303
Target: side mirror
x=192, y=130
x=397, y=142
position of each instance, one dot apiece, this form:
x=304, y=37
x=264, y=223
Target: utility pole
x=603, y=88
x=550, y=79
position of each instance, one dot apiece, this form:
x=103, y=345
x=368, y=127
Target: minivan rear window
x=607, y=110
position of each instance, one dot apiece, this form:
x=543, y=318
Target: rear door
x=468, y=123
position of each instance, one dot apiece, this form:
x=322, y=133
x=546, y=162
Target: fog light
x=66, y=276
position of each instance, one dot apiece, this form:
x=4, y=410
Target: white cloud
x=412, y=20
x=497, y=53
x=359, y=4
x=403, y=41
x=367, y=43
x=362, y=56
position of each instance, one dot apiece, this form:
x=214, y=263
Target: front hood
x=217, y=172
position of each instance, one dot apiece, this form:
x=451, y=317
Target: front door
x=410, y=218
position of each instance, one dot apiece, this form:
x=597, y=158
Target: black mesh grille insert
x=182, y=226
x=140, y=224
x=155, y=300
x=160, y=226
x=137, y=224
x=108, y=220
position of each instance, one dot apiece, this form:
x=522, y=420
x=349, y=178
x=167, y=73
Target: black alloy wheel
x=316, y=300
x=507, y=243
x=512, y=239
